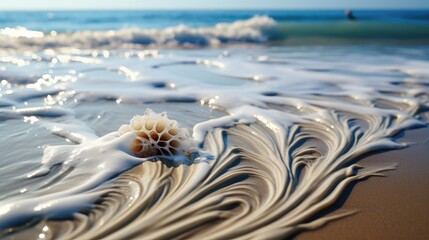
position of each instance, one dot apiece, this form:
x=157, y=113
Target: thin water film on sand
x=259, y=142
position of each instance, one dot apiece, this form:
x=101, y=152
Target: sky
x=215, y=4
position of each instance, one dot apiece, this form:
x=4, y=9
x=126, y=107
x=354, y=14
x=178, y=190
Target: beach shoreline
x=391, y=207
x=256, y=124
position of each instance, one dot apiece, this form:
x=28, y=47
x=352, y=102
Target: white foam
x=282, y=100
x=253, y=30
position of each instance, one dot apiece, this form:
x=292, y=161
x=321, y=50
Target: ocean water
x=113, y=29
x=274, y=109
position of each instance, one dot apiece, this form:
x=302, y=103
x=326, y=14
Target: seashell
x=155, y=134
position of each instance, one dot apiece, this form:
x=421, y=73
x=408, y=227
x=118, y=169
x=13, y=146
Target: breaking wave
x=254, y=30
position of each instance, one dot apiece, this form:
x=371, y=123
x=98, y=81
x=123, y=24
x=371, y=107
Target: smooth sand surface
x=395, y=207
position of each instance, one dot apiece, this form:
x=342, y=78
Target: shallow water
x=277, y=130
x=280, y=129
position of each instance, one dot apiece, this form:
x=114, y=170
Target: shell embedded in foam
x=155, y=134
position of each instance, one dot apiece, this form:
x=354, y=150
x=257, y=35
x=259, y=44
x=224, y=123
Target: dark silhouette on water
x=349, y=14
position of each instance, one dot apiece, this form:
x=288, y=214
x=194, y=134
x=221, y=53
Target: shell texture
x=155, y=134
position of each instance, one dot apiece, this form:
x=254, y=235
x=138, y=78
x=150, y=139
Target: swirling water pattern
x=280, y=133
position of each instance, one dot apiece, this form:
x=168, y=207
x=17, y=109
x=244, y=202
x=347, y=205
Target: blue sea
x=200, y=124
x=291, y=27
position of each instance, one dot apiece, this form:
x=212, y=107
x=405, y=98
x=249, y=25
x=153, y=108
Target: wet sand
x=395, y=207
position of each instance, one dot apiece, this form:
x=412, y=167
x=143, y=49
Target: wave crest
x=253, y=30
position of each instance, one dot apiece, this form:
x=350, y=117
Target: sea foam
x=254, y=30
x=272, y=151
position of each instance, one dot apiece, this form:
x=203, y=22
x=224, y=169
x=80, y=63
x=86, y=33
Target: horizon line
x=211, y=9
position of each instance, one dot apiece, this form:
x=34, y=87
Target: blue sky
x=216, y=4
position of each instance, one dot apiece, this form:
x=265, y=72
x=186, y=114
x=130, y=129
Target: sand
x=395, y=207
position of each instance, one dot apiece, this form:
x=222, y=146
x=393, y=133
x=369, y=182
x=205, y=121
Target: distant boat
x=349, y=14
